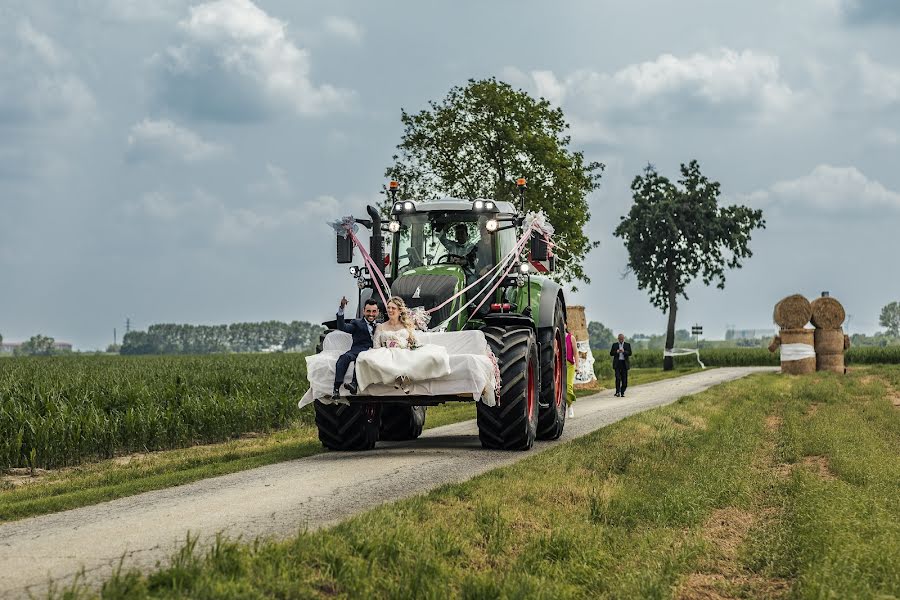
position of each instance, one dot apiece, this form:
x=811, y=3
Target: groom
x=362, y=331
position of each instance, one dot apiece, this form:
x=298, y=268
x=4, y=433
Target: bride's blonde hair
x=404, y=318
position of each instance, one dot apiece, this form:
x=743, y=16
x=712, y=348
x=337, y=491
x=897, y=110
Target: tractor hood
x=429, y=286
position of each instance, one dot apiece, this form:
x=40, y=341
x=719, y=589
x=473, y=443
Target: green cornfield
x=739, y=357
x=59, y=411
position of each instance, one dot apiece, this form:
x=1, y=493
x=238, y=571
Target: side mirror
x=540, y=250
x=344, y=249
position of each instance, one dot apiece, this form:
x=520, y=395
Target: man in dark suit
x=621, y=352
x=362, y=331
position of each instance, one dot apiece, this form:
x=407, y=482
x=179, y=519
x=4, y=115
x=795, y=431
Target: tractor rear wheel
x=552, y=412
x=400, y=423
x=512, y=423
x=347, y=427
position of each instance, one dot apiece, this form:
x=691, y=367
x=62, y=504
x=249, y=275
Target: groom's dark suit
x=362, y=332
x=621, y=365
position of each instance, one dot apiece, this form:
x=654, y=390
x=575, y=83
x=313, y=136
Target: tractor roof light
x=478, y=205
x=408, y=206
x=491, y=225
x=489, y=205
x=398, y=207
x=394, y=226
x=524, y=267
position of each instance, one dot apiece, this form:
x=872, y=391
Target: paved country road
x=278, y=500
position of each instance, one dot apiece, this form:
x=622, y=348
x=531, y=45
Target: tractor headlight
x=354, y=271
x=394, y=226
x=398, y=206
x=520, y=280
x=408, y=206
x=360, y=282
x=491, y=225
x=479, y=204
x=489, y=205
x=524, y=268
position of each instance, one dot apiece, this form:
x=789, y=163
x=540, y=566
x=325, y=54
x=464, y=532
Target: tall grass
x=740, y=357
x=64, y=410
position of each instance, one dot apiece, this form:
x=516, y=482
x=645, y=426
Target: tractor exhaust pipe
x=376, y=241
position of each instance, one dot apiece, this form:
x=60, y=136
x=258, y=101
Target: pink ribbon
x=373, y=268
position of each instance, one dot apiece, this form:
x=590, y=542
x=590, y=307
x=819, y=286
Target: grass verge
x=53, y=491
x=719, y=495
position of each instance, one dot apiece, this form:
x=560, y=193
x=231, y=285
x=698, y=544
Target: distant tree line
x=170, y=338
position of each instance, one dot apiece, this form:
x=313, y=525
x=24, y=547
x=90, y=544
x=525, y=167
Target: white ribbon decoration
x=791, y=352
x=684, y=352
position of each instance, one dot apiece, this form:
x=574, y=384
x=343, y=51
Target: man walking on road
x=621, y=351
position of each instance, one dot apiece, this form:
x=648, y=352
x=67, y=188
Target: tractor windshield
x=448, y=239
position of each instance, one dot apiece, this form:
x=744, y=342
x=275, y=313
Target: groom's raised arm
x=341, y=324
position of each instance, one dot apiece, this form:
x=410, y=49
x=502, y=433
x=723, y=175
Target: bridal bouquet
x=420, y=318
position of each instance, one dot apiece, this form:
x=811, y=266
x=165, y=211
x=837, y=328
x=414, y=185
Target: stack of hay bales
x=576, y=322
x=830, y=342
x=796, y=342
x=808, y=350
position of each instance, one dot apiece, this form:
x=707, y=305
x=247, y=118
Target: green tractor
x=437, y=249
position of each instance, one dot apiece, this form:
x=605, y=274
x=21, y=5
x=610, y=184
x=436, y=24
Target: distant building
x=748, y=334
x=11, y=347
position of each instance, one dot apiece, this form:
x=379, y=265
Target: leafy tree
x=479, y=139
x=676, y=233
x=37, y=345
x=890, y=318
x=600, y=335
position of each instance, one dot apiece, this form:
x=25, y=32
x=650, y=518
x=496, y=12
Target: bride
x=396, y=358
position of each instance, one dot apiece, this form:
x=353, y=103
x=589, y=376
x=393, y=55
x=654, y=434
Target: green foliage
x=600, y=335
x=890, y=318
x=676, y=233
x=479, y=139
x=881, y=338
x=217, y=339
x=65, y=410
x=37, y=345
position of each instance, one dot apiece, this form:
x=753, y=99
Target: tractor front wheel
x=400, y=423
x=347, y=427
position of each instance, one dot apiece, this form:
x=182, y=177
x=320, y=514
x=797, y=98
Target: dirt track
x=278, y=500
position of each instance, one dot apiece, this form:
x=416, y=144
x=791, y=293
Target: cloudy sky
x=176, y=161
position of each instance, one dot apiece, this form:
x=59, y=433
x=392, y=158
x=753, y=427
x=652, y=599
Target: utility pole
x=114, y=336
x=127, y=325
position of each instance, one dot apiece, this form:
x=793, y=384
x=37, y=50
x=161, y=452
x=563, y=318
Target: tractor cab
x=440, y=247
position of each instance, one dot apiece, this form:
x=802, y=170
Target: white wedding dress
x=392, y=361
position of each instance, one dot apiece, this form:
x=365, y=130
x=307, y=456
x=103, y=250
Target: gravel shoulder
x=280, y=499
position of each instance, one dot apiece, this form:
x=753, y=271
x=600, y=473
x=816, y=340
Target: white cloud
x=725, y=84
x=203, y=213
x=154, y=139
x=880, y=83
x=884, y=136
x=237, y=62
x=344, y=28
x=828, y=189
x=36, y=84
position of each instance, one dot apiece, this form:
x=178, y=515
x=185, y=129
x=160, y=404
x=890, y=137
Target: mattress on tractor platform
x=471, y=369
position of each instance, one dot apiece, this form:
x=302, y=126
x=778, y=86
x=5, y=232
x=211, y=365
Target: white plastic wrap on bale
x=584, y=367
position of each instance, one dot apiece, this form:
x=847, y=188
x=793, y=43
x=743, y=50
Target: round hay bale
x=799, y=335
x=830, y=362
x=799, y=367
x=792, y=312
x=776, y=342
x=576, y=322
x=827, y=313
x=829, y=341
x=846, y=342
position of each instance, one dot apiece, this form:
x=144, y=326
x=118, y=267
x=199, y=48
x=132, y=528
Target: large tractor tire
x=552, y=409
x=347, y=427
x=512, y=423
x=400, y=423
